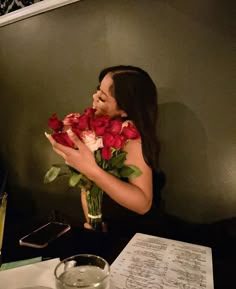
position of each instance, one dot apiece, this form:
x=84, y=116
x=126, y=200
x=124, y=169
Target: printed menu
x=150, y=262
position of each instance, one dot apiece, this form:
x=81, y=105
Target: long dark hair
x=136, y=94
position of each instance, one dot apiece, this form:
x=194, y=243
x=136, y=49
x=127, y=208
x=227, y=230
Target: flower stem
x=94, y=204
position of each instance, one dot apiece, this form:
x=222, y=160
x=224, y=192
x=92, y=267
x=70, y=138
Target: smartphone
x=45, y=234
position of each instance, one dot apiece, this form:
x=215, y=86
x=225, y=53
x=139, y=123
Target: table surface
x=108, y=245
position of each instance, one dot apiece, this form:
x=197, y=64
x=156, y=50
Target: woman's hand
x=82, y=159
x=89, y=227
x=135, y=195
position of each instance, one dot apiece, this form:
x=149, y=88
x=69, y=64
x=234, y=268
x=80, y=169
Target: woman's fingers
x=81, y=159
x=104, y=226
x=87, y=226
x=49, y=137
x=58, y=148
x=75, y=139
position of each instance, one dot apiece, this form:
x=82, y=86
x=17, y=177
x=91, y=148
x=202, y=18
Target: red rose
x=99, y=130
x=108, y=139
x=82, y=122
x=115, y=127
x=54, y=123
x=70, y=118
x=76, y=131
x=63, y=138
x=106, y=153
x=130, y=131
x=89, y=112
x=99, y=124
x=119, y=141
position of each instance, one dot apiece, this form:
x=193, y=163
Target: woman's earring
x=123, y=114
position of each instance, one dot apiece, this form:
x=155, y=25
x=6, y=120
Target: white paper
x=38, y=274
x=149, y=262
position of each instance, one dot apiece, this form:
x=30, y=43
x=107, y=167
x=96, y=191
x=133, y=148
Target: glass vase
x=94, y=204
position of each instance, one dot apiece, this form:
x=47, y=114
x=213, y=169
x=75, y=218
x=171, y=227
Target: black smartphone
x=45, y=234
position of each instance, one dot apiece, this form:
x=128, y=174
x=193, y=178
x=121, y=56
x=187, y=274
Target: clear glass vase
x=94, y=204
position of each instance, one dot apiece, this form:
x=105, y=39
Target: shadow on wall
x=183, y=158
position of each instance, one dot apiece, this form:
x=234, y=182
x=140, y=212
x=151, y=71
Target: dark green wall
x=50, y=62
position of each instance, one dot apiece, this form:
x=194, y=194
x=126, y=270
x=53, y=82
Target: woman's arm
x=135, y=195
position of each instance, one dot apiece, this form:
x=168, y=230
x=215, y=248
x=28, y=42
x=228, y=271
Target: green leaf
x=130, y=172
x=59, y=165
x=118, y=160
x=74, y=179
x=98, y=156
x=51, y=174
x=84, y=182
x=114, y=172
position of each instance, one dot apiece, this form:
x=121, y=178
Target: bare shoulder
x=133, y=148
x=135, y=157
x=135, y=154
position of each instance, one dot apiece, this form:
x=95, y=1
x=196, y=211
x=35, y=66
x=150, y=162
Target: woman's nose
x=95, y=96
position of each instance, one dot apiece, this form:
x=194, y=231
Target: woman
x=124, y=92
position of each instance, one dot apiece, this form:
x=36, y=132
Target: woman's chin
x=97, y=112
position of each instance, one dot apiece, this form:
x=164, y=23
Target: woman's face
x=104, y=102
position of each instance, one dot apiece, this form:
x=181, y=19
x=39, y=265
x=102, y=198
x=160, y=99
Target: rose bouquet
x=106, y=138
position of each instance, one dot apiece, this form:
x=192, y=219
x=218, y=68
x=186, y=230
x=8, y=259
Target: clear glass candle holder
x=3, y=206
x=82, y=271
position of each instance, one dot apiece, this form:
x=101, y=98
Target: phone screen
x=43, y=235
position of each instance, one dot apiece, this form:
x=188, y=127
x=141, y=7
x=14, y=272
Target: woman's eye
x=98, y=87
x=102, y=100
